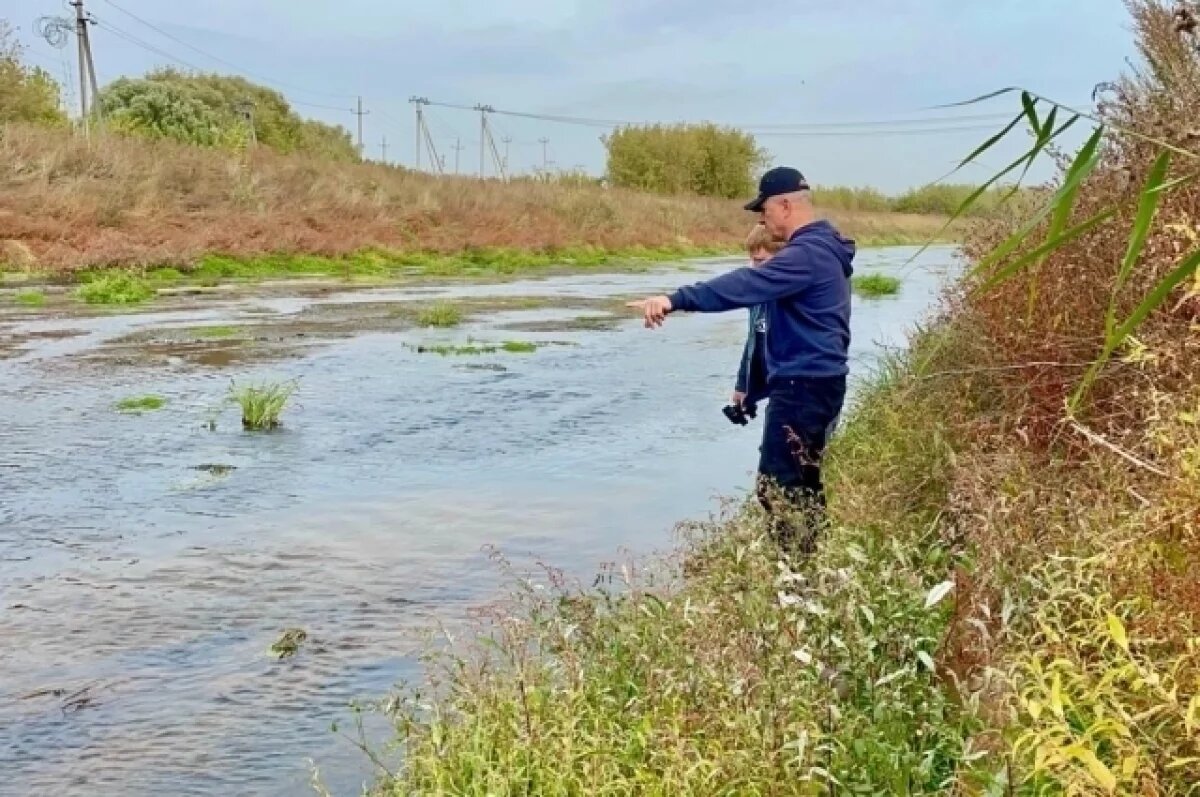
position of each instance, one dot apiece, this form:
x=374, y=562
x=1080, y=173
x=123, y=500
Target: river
x=148, y=561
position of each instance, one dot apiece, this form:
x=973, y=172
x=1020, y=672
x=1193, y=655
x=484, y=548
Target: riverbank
x=70, y=206
x=980, y=618
x=1007, y=602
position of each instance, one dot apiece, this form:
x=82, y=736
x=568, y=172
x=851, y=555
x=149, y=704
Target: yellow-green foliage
x=27, y=94
x=684, y=159
x=208, y=110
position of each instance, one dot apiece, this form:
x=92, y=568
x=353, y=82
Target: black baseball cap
x=780, y=180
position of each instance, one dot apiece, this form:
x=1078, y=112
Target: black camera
x=739, y=413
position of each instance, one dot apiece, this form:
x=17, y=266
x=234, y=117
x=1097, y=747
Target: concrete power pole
x=507, y=140
x=545, y=142
x=483, y=132
x=87, y=67
x=383, y=146
x=418, y=104
x=360, y=113
x=458, y=148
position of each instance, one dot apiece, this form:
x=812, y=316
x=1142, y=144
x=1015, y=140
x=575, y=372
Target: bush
x=27, y=94
x=115, y=288
x=684, y=159
x=210, y=110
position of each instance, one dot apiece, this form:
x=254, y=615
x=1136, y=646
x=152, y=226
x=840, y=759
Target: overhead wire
x=218, y=58
x=136, y=41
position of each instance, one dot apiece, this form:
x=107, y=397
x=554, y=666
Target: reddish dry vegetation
x=1117, y=483
x=66, y=203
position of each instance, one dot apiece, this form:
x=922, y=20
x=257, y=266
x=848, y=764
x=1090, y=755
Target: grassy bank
x=69, y=205
x=980, y=620
x=1008, y=602
x=717, y=670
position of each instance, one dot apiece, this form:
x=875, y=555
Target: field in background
x=70, y=204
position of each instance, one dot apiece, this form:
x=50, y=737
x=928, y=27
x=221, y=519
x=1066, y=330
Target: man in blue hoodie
x=805, y=288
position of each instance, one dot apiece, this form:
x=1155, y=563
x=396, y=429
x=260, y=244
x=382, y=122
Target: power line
x=134, y=40
x=875, y=133
x=219, y=59
x=798, y=127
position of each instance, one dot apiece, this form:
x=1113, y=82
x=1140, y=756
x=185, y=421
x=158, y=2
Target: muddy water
x=148, y=562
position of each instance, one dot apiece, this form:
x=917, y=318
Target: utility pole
x=545, y=142
x=458, y=148
x=488, y=143
x=80, y=32
x=360, y=113
x=419, y=103
x=424, y=137
x=87, y=67
x=507, y=140
x=383, y=147
x=483, y=129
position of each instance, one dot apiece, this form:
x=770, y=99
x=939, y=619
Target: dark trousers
x=801, y=414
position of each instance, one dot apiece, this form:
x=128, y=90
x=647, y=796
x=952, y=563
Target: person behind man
x=751, y=384
x=805, y=288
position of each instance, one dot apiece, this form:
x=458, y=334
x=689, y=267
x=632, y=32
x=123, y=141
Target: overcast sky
x=742, y=63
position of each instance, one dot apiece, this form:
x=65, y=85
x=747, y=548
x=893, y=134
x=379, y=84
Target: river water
x=141, y=589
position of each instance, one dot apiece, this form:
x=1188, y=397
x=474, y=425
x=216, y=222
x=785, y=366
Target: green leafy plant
x=115, y=288
x=138, y=404
x=442, y=314
x=875, y=285
x=31, y=298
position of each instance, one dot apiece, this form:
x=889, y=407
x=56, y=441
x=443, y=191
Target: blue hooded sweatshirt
x=806, y=290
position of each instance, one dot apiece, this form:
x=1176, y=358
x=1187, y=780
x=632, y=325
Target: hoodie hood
x=843, y=248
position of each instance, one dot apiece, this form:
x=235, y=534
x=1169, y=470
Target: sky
x=819, y=64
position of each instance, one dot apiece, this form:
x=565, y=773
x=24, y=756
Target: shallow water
x=140, y=592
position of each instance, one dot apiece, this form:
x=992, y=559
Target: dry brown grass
x=70, y=204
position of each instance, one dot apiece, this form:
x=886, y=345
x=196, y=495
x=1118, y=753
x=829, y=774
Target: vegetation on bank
x=218, y=111
x=698, y=159
x=1007, y=602
x=940, y=199
x=115, y=288
x=27, y=93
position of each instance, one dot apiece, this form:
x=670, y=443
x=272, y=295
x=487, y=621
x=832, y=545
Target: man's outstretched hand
x=654, y=309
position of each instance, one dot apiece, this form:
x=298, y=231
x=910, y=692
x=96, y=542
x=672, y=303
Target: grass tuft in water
x=141, y=404
x=872, y=286
x=441, y=314
x=289, y=642
x=475, y=348
x=262, y=404
x=31, y=298
x=215, y=333
x=115, y=288
x=519, y=347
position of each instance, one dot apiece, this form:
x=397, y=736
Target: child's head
x=761, y=246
